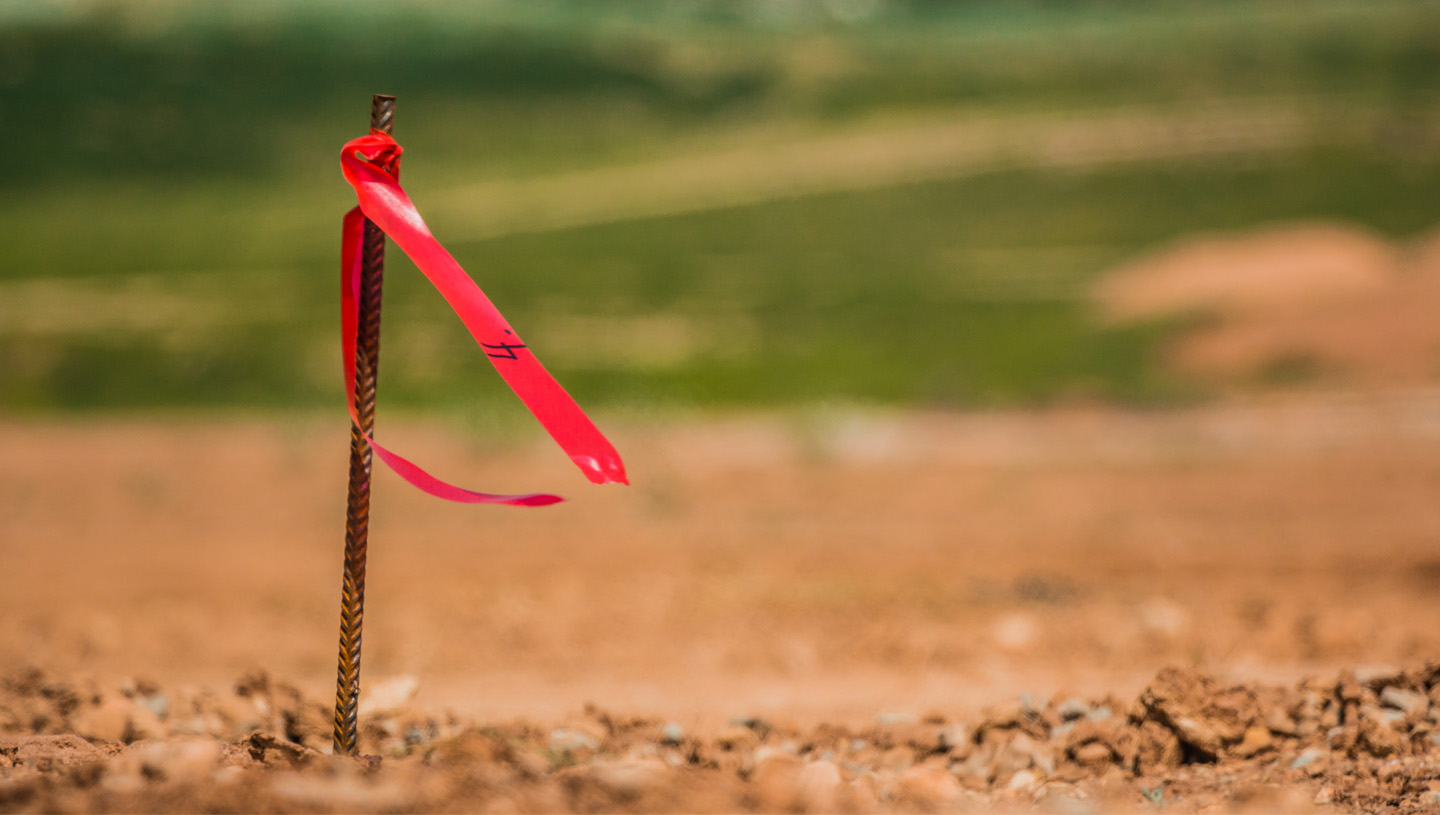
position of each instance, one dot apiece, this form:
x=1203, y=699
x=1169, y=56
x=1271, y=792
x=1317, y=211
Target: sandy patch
x=1311, y=301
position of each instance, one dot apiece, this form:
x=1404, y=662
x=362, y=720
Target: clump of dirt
x=1276, y=270
x=1361, y=740
x=1292, y=304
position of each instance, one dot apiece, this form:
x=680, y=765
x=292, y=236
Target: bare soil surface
x=1229, y=608
x=1296, y=304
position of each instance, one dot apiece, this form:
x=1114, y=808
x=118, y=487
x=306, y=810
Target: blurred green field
x=680, y=205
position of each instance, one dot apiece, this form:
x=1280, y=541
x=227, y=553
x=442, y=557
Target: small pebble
x=156, y=703
x=1023, y=781
x=1307, y=758
x=1072, y=709
x=892, y=719
x=1092, y=753
x=108, y=721
x=1278, y=721
x=563, y=740
x=1257, y=740
x=928, y=787
x=1409, y=702
x=1033, y=702
x=389, y=696
x=628, y=778
x=1374, y=676
x=775, y=780
x=952, y=736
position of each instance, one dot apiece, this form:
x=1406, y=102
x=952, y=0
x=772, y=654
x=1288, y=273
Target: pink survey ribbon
x=385, y=203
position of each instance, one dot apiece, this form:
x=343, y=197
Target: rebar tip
x=382, y=113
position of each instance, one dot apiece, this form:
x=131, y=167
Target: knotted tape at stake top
x=385, y=203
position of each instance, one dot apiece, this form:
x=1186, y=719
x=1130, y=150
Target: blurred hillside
x=680, y=205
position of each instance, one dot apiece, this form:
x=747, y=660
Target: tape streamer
x=385, y=203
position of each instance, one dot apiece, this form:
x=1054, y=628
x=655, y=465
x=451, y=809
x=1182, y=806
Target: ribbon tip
x=611, y=470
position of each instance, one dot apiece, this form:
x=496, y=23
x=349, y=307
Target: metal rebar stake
x=357, y=507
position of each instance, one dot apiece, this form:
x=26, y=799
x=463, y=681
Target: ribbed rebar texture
x=357, y=507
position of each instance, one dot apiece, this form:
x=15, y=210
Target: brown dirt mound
x=1357, y=741
x=1296, y=302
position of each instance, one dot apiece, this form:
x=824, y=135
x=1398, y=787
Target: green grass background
x=171, y=195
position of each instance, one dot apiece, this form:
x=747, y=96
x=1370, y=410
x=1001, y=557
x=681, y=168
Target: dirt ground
x=1225, y=608
x=1312, y=303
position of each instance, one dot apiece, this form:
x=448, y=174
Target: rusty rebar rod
x=357, y=507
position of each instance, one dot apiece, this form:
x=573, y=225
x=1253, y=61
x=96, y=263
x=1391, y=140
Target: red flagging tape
x=385, y=203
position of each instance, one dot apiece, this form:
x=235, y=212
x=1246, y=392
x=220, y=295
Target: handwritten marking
x=507, y=350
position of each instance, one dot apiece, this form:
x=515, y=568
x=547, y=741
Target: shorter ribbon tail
x=428, y=483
